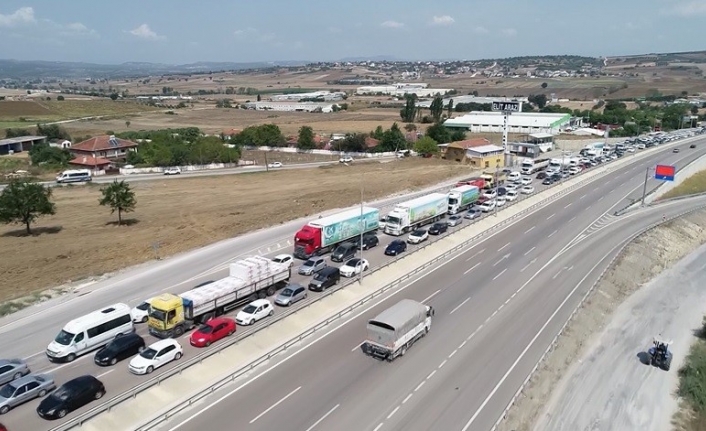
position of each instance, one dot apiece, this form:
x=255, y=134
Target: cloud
x=244, y=31
x=392, y=24
x=23, y=15
x=509, y=32
x=78, y=28
x=442, y=20
x=268, y=37
x=145, y=32
x=687, y=8
x=334, y=30
x=480, y=30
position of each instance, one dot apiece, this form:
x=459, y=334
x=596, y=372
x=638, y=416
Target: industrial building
x=295, y=97
x=290, y=106
x=19, y=144
x=518, y=122
x=400, y=89
x=471, y=99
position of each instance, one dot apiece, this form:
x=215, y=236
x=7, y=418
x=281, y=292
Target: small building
x=518, y=122
x=486, y=156
x=19, y=144
x=533, y=147
x=458, y=150
x=103, y=147
x=97, y=165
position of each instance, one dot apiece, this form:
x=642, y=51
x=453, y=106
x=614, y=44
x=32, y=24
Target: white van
x=90, y=332
x=75, y=176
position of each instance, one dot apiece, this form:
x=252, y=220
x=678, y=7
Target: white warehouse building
x=289, y=106
x=400, y=89
x=325, y=95
x=518, y=122
x=471, y=99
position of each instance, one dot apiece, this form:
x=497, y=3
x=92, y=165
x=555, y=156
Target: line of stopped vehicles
x=112, y=331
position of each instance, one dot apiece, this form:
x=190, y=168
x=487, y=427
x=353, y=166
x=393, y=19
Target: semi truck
x=478, y=182
x=323, y=235
x=393, y=331
x=559, y=164
x=491, y=178
x=530, y=166
x=415, y=213
x=462, y=197
x=251, y=278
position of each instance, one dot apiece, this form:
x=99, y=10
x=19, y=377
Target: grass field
x=27, y=113
x=82, y=240
x=692, y=185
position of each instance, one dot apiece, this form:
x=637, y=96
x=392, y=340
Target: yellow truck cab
x=167, y=316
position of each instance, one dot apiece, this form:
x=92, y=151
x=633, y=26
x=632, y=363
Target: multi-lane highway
x=39, y=325
x=498, y=306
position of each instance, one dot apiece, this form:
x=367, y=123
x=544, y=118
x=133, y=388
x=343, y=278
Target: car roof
x=259, y=302
x=24, y=380
x=163, y=343
x=12, y=362
x=283, y=256
x=353, y=260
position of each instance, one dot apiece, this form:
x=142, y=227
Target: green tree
x=450, y=108
x=352, y=143
x=539, y=100
x=24, y=201
x=60, y=98
x=457, y=135
x=53, y=131
x=393, y=139
x=694, y=110
x=41, y=154
x=377, y=133
x=544, y=85
x=259, y=98
x=305, y=141
x=14, y=133
x=437, y=108
x=114, y=96
x=439, y=133
x=410, y=108
x=426, y=145
x=127, y=123
x=119, y=197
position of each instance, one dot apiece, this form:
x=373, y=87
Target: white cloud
x=509, y=32
x=145, y=32
x=23, y=15
x=688, y=8
x=442, y=20
x=334, y=30
x=268, y=37
x=392, y=24
x=78, y=29
x=244, y=31
x=480, y=30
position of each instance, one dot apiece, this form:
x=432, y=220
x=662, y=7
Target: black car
x=692, y=146
x=438, y=228
x=123, y=347
x=344, y=252
x=368, y=241
x=502, y=191
x=325, y=278
x=70, y=396
x=548, y=181
x=541, y=175
x=395, y=247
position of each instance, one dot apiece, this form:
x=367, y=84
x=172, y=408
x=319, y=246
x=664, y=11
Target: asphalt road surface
x=498, y=306
x=39, y=325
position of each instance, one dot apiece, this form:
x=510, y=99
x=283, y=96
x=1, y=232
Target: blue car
x=396, y=247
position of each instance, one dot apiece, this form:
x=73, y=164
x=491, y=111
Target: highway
x=40, y=324
x=498, y=306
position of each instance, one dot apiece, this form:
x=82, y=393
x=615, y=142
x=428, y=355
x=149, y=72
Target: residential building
x=95, y=164
x=458, y=150
x=486, y=157
x=100, y=152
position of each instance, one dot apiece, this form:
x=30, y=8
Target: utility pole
x=644, y=186
x=362, y=229
x=267, y=166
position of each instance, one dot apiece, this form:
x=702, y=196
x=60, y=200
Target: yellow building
x=486, y=157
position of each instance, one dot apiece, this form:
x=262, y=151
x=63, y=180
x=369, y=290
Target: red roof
x=102, y=143
x=371, y=142
x=470, y=143
x=90, y=161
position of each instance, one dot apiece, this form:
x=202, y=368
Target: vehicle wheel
x=305, y=295
x=229, y=333
x=252, y=322
x=404, y=350
x=426, y=330
x=61, y=413
x=271, y=313
x=208, y=344
x=113, y=361
x=149, y=369
x=42, y=393
x=178, y=331
x=4, y=409
x=144, y=319
x=271, y=291
x=178, y=354
x=99, y=395
x=17, y=376
x=261, y=294
x=71, y=357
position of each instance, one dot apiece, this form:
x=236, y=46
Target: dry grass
x=54, y=110
x=82, y=240
x=694, y=184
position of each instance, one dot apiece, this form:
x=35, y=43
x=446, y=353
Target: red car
x=212, y=331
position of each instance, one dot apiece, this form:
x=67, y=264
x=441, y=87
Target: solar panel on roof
x=113, y=142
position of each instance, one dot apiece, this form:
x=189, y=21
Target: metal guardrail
x=576, y=309
x=156, y=381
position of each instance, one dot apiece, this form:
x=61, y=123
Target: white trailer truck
x=530, y=166
x=462, y=197
x=394, y=330
x=417, y=212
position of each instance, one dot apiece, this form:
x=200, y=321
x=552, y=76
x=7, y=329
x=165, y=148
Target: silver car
x=314, y=264
x=289, y=295
x=25, y=389
x=12, y=369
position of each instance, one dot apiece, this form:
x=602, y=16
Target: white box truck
x=412, y=214
x=462, y=197
x=530, y=166
x=394, y=330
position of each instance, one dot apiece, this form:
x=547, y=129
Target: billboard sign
x=507, y=106
x=664, y=172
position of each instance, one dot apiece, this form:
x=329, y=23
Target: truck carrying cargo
x=462, y=197
x=393, y=331
x=323, y=235
x=530, y=166
x=559, y=164
x=415, y=213
x=478, y=182
x=491, y=178
x=254, y=277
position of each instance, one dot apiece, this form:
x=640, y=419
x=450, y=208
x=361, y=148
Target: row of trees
x=176, y=151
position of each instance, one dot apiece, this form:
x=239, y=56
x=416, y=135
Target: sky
x=181, y=31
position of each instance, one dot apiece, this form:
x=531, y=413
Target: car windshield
x=158, y=314
x=205, y=329
x=62, y=393
x=7, y=391
x=250, y=309
x=64, y=338
x=393, y=221
x=395, y=243
x=287, y=292
x=144, y=306
x=353, y=262
x=418, y=232
x=319, y=277
x=309, y=263
x=148, y=353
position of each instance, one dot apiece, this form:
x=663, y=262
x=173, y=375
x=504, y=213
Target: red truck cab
x=307, y=241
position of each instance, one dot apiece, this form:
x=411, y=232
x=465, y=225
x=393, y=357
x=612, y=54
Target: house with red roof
x=101, y=152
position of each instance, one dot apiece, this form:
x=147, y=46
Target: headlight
x=50, y=412
x=201, y=340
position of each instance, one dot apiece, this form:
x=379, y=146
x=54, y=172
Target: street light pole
x=362, y=229
x=644, y=186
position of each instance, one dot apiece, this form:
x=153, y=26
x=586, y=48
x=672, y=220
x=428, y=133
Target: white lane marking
x=33, y=355
x=551, y=216
x=557, y=274
x=568, y=205
x=460, y=346
x=501, y=273
x=503, y=247
x=588, y=207
x=507, y=256
x=419, y=386
x=451, y=355
x=551, y=234
x=470, y=269
x=378, y=427
x=582, y=196
x=572, y=219
x=52, y=370
x=430, y=296
x=107, y=372
x=601, y=198
x=431, y=375
x=441, y=365
x=357, y=346
x=475, y=255
x=323, y=417
x=529, y=251
x=393, y=412
x=460, y=305
x=407, y=398
x=275, y=404
x=530, y=229
x=523, y=270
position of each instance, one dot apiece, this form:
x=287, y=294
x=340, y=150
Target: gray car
x=314, y=264
x=289, y=295
x=12, y=369
x=25, y=389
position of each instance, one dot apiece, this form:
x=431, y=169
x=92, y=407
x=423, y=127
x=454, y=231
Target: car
x=140, y=313
x=354, y=267
x=395, y=247
x=367, y=241
x=541, y=175
x=327, y=277
x=500, y=201
x=525, y=181
x=487, y=206
x=511, y=196
x=454, y=220
x=527, y=190
x=438, y=228
x=25, y=389
x=417, y=236
x=291, y=294
x=286, y=259
x=490, y=194
x=574, y=170
x=473, y=213
x=514, y=176
x=510, y=187
x=692, y=146
x=156, y=355
x=346, y=159
x=71, y=396
x=119, y=348
x=12, y=369
x=174, y=170
x=501, y=191
x=256, y=310
x=312, y=265
x=676, y=150
x=274, y=165
x=344, y=251
x=212, y=331
x=548, y=181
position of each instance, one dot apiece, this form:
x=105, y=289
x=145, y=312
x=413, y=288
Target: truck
x=530, y=166
x=417, y=212
x=393, y=331
x=324, y=234
x=559, y=164
x=462, y=197
x=492, y=177
x=477, y=181
x=254, y=277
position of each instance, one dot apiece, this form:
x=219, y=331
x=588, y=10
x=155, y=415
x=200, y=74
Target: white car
x=525, y=181
x=275, y=165
x=513, y=176
x=511, y=195
x=140, y=313
x=418, y=236
x=346, y=159
x=510, y=187
x=527, y=190
x=574, y=170
x=354, y=267
x=287, y=259
x=172, y=171
x=455, y=220
x=256, y=310
x=490, y=194
x=500, y=201
x=487, y=206
x=156, y=355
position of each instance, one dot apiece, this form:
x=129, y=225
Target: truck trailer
x=530, y=166
x=251, y=278
x=323, y=235
x=462, y=197
x=477, y=181
x=417, y=212
x=393, y=331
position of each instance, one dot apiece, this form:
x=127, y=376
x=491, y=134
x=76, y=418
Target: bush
x=692, y=377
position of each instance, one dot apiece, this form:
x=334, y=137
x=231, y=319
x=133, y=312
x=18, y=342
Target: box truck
x=410, y=215
x=323, y=235
x=462, y=197
x=393, y=331
x=530, y=166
